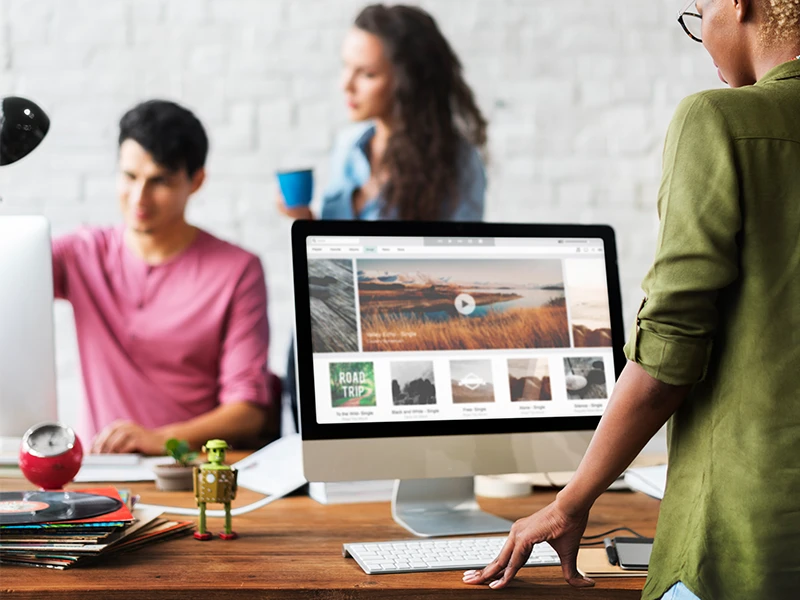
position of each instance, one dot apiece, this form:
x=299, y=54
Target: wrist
x=572, y=502
x=166, y=433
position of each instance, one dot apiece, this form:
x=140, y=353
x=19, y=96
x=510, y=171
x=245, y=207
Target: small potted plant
x=176, y=476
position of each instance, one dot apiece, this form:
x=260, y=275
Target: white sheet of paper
x=649, y=480
x=274, y=468
x=103, y=467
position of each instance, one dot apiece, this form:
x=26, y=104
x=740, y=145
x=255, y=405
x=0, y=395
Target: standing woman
x=717, y=340
x=416, y=153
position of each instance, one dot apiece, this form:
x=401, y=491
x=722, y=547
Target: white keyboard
x=410, y=556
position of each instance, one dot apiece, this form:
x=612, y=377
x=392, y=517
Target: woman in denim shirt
x=415, y=154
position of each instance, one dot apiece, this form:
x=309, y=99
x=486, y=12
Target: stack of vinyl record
x=68, y=528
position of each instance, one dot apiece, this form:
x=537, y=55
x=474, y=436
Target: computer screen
x=412, y=330
x=446, y=350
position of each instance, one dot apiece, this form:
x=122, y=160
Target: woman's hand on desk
x=126, y=436
x=552, y=524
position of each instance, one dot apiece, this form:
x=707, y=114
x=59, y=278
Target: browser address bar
x=341, y=241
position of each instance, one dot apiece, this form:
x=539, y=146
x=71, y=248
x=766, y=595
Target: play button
x=465, y=304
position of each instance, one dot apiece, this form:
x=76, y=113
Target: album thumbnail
x=413, y=383
x=352, y=384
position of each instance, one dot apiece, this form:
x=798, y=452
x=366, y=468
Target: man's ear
x=744, y=9
x=197, y=179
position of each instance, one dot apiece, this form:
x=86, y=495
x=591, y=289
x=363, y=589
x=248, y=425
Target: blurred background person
x=171, y=321
x=416, y=153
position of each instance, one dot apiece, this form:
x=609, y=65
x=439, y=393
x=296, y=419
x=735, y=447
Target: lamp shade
x=22, y=126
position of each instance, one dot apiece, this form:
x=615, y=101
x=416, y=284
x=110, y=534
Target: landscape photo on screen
x=585, y=378
x=529, y=379
x=413, y=383
x=409, y=305
x=471, y=381
x=352, y=384
x=587, y=292
x=333, y=309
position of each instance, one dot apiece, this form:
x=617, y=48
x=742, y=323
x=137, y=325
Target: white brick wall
x=578, y=94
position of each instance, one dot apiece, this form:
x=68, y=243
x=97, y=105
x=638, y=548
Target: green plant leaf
x=179, y=450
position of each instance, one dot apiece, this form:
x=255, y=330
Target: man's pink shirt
x=167, y=343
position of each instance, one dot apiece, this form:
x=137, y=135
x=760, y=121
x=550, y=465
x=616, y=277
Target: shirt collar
x=362, y=143
x=787, y=70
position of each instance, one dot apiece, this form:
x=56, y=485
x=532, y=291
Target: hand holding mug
x=296, y=191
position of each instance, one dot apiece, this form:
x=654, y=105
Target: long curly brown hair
x=433, y=114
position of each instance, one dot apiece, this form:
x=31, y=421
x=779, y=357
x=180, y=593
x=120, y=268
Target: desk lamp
x=22, y=126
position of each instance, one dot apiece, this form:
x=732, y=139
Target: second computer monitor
x=27, y=363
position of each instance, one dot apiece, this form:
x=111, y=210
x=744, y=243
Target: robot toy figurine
x=215, y=482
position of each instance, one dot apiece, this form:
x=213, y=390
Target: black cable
x=605, y=534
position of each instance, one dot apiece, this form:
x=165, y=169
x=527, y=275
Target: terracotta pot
x=173, y=477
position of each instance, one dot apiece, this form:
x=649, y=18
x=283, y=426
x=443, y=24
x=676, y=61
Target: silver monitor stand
x=442, y=507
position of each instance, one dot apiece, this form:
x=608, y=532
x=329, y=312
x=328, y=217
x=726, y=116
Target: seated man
x=171, y=321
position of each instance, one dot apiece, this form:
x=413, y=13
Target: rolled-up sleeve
x=697, y=251
x=243, y=370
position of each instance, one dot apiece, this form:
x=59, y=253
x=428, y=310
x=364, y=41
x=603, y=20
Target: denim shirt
x=350, y=170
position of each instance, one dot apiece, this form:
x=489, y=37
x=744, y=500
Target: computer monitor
x=27, y=354
x=433, y=352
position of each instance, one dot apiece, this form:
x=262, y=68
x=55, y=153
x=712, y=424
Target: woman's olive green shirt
x=722, y=311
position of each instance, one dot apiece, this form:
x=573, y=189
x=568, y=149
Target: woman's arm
x=638, y=408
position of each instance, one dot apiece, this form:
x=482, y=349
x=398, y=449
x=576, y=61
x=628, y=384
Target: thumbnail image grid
x=529, y=379
x=413, y=383
x=333, y=309
x=477, y=304
x=352, y=384
x=471, y=381
x=585, y=378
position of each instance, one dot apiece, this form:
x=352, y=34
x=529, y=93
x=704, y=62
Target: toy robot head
x=216, y=450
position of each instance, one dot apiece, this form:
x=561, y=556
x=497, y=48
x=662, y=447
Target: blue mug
x=297, y=187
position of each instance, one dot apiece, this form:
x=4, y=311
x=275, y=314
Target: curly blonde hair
x=781, y=20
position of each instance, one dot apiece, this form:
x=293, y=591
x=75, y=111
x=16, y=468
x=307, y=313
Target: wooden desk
x=293, y=549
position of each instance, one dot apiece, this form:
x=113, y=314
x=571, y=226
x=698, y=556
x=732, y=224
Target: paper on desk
x=104, y=468
x=274, y=468
x=649, y=480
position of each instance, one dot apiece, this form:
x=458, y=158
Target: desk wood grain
x=293, y=549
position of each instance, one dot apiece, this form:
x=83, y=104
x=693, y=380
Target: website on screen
x=416, y=329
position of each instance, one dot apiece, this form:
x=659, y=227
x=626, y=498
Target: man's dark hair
x=172, y=135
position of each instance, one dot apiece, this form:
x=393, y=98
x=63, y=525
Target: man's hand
x=551, y=524
x=126, y=436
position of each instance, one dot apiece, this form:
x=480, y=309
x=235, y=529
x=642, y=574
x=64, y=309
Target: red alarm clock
x=50, y=455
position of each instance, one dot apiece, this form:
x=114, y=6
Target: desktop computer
x=27, y=354
x=433, y=352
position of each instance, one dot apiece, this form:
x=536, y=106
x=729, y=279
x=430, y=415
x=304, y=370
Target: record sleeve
x=19, y=508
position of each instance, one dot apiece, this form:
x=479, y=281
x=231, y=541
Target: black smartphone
x=633, y=553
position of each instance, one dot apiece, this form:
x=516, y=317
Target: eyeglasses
x=691, y=22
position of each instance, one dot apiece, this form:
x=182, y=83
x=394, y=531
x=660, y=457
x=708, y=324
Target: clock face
x=49, y=439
